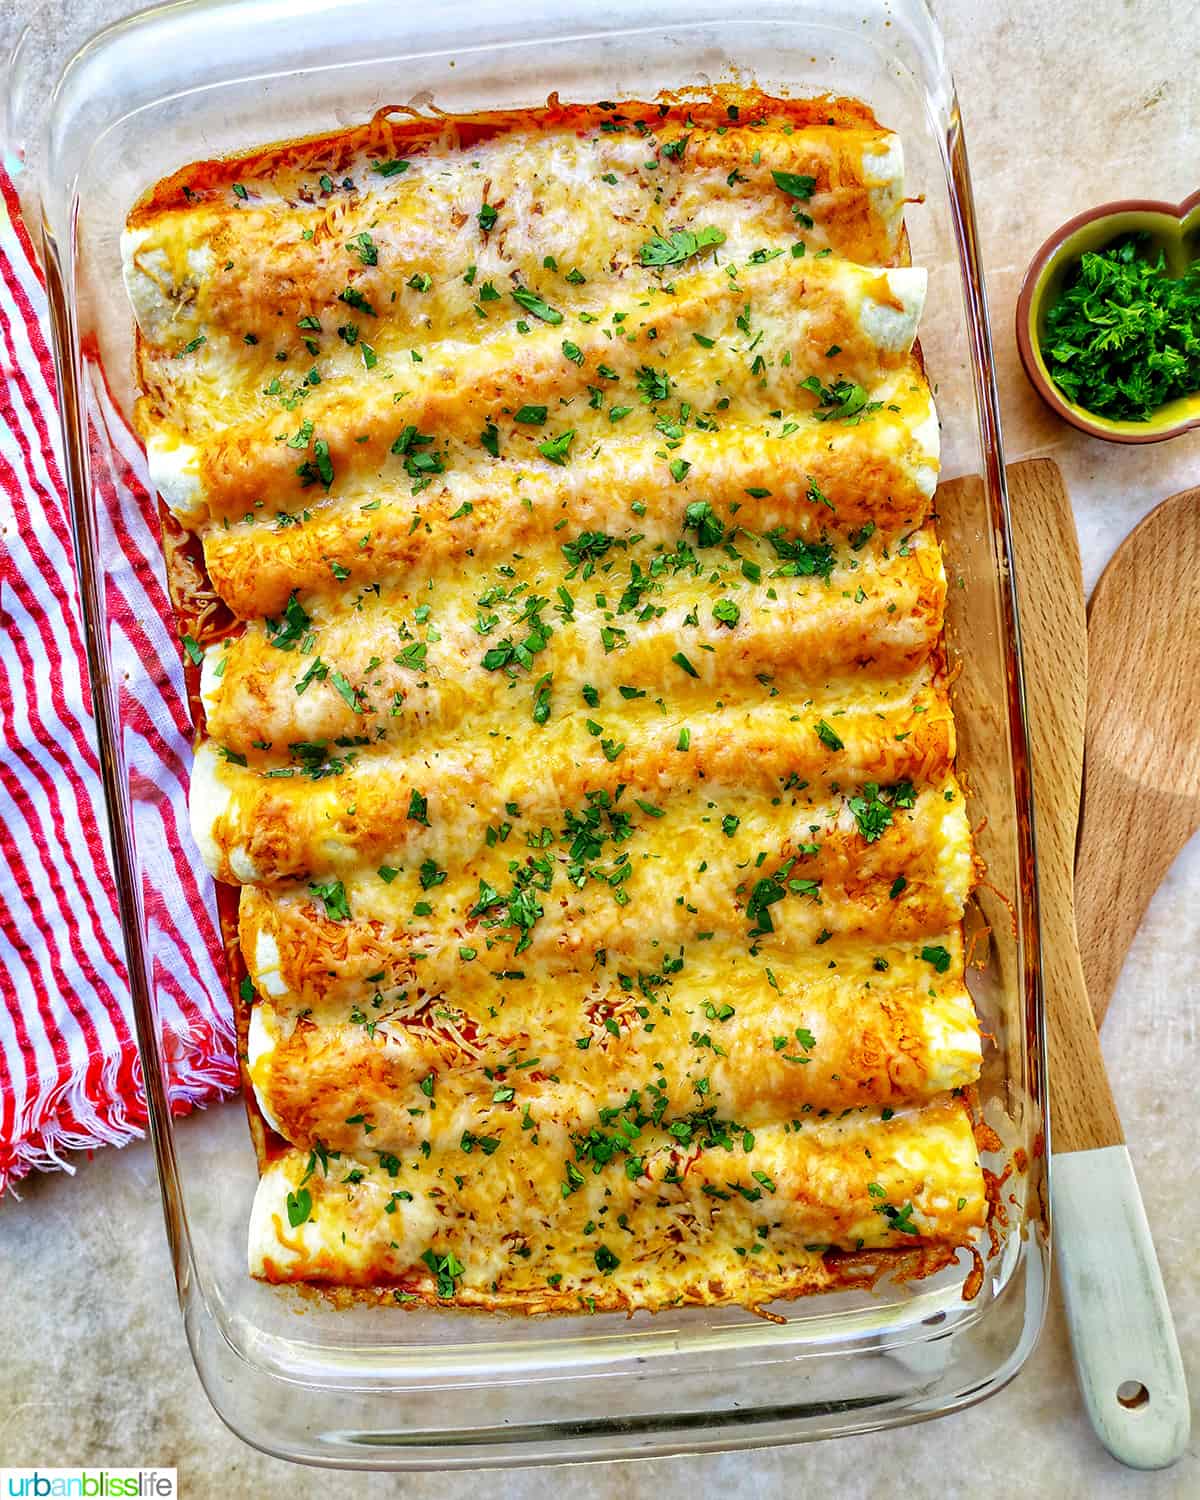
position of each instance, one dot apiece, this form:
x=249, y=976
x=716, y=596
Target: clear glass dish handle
x=20, y=107
x=14, y=90
x=23, y=110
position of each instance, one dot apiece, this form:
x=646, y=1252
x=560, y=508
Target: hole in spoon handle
x=1126, y=1355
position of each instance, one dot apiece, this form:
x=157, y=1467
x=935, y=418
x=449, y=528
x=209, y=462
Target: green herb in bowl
x=1122, y=338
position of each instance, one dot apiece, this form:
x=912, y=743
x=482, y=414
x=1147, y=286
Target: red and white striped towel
x=70, y=1077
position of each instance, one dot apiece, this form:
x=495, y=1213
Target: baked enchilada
x=548, y=505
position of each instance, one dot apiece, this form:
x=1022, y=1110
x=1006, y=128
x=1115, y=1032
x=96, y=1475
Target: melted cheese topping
x=575, y=715
x=637, y=1220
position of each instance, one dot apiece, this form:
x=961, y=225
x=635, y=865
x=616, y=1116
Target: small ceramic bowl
x=1172, y=228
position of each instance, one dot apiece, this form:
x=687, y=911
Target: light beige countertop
x=1066, y=104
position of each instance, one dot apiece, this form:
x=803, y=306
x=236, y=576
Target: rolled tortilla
x=255, y=824
x=673, y=1205
x=385, y=676
x=810, y=1047
x=251, y=263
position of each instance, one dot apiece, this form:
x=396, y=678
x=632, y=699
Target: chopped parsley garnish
x=299, y=1207
x=319, y=468
x=536, y=305
x=700, y=517
x=317, y=672
x=871, y=813
x=899, y=1218
x=1122, y=337
x=681, y=661
x=541, y=700
x=795, y=184
x=872, y=810
x=419, y=465
x=828, y=736
x=606, y=1261
x=413, y=656
x=654, y=385
x=356, y=300
x=487, y=217
x=520, y=907
x=390, y=168
x=801, y=559
x=558, y=449
x=337, y=908
x=938, y=957
x=345, y=691
x=764, y=894
x=447, y=1269
x=587, y=549
x=843, y=401
x=859, y=539
x=365, y=248
x=679, y=246
x=815, y=495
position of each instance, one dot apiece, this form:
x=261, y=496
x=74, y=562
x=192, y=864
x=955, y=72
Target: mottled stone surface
x=1066, y=105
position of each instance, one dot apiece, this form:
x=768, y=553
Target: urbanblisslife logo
x=90, y=1484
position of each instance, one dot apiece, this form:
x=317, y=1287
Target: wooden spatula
x=1126, y=1354
x=1141, y=789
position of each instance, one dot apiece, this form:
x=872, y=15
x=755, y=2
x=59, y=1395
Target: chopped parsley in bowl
x=1122, y=337
x=1108, y=320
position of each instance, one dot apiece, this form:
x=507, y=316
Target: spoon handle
x=1126, y=1354
x=1122, y=1338
x=1127, y=1357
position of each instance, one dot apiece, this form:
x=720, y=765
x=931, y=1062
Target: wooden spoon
x=1126, y=1355
x=1141, y=789
x=1054, y=637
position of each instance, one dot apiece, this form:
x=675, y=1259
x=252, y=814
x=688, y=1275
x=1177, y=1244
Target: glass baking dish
x=382, y=1388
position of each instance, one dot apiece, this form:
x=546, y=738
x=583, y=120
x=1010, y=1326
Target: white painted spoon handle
x=1122, y=1335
